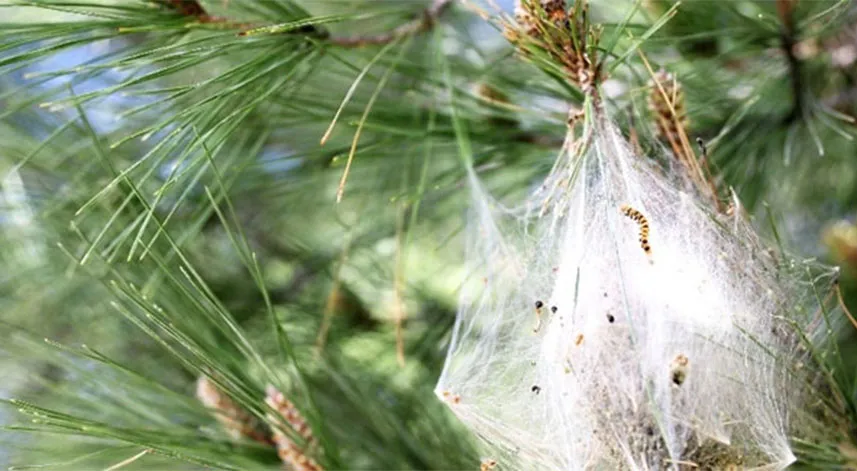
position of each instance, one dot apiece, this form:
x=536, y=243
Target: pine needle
x=130, y=460
x=380, y=87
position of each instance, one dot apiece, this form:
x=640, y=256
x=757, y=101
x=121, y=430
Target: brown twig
x=195, y=12
x=185, y=7
x=424, y=23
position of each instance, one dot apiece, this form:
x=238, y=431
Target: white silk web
x=576, y=348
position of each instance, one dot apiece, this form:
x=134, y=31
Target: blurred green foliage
x=169, y=211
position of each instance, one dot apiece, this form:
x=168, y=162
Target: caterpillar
x=678, y=369
x=641, y=220
x=539, y=306
x=487, y=464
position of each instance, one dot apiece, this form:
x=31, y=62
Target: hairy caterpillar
x=644, y=226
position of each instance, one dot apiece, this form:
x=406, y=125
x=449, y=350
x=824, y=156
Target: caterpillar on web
x=641, y=221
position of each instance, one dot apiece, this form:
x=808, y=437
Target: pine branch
x=183, y=179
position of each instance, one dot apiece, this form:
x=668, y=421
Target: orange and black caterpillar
x=644, y=226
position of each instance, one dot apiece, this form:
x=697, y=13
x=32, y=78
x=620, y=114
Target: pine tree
x=233, y=230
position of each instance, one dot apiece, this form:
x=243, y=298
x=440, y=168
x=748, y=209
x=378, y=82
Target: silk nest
x=618, y=320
